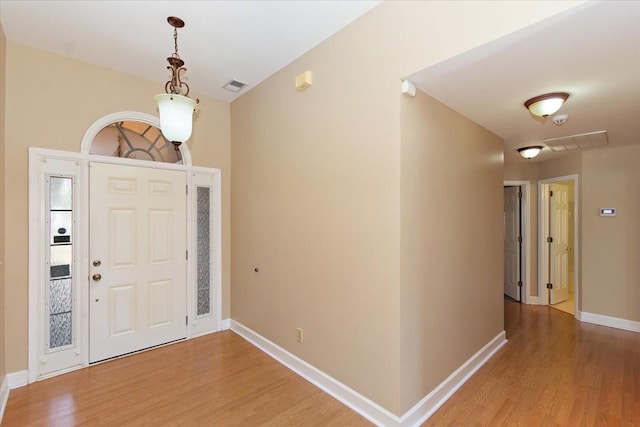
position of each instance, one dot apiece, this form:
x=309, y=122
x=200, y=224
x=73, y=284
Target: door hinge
x=550, y=193
x=186, y=189
x=186, y=320
x=549, y=285
x=519, y=194
x=186, y=254
x=520, y=283
x=519, y=239
x=549, y=239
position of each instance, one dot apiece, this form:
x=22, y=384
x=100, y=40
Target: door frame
x=543, y=248
x=525, y=253
x=195, y=175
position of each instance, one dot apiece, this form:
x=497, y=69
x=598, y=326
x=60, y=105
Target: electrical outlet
x=300, y=336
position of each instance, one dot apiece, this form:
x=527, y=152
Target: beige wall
x=317, y=192
x=570, y=164
x=611, y=246
x=451, y=243
x=315, y=207
x=3, y=180
x=50, y=102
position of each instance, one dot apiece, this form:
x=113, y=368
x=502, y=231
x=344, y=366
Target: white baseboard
x=11, y=381
x=434, y=400
x=17, y=379
x=362, y=405
x=532, y=300
x=612, y=322
x=225, y=324
x=351, y=398
x=4, y=396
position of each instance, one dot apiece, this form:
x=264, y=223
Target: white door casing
x=44, y=162
x=137, y=258
x=511, y=243
x=559, y=246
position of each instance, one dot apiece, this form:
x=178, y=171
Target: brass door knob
x=97, y=277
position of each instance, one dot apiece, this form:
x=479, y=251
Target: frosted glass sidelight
x=204, y=251
x=59, y=296
x=61, y=193
x=61, y=223
x=60, y=330
x=61, y=255
x=60, y=284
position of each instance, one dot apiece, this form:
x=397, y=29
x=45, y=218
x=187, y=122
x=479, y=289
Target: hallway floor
x=568, y=306
x=554, y=371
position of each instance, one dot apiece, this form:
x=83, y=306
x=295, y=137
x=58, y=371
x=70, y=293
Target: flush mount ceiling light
x=547, y=104
x=530, y=152
x=176, y=108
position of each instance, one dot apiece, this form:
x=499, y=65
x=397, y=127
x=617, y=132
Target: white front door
x=511, y=242
x=559, y=247
x=137, y=279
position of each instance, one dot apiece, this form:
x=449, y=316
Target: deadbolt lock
x=97, y=263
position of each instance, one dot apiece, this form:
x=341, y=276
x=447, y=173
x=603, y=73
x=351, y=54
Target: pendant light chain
x=175, y=43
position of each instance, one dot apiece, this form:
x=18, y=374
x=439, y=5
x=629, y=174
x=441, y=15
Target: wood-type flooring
x=554, y=371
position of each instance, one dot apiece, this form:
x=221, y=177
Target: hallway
x=554, y=371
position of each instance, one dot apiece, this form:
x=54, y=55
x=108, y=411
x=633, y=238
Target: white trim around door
x=525, y=264
x=543, y=248
x=44, y=163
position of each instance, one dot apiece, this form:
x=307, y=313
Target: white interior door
x=559, y=247
x=511, y=242
x=137, y=283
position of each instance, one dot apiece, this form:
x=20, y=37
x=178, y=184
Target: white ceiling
x=591, y=51
x=222, y=40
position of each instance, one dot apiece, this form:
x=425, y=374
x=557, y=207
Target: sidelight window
x=59, y=293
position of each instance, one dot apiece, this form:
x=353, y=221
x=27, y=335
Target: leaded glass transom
x=134, y=140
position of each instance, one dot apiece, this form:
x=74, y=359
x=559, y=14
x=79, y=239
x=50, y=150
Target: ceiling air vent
x=234, y=86
x=578, y=142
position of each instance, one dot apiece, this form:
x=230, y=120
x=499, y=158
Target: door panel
x=138, y=235
x=559, y=248
x=511, y=244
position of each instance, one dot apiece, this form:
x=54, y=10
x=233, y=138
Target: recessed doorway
x=516, y=238
x=558, y=243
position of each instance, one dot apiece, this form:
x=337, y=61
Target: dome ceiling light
x=530, y=152
x=547, y=104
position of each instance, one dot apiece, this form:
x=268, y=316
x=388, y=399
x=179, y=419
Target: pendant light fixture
x=530, y=152
x=176, y=108
x=547, y=104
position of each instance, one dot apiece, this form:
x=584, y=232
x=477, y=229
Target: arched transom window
x=134, y=140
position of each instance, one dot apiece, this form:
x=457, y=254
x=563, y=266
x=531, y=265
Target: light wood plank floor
x=215, y=380
x=554, y=371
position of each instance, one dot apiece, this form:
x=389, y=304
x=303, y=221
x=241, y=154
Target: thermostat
x=607, y=212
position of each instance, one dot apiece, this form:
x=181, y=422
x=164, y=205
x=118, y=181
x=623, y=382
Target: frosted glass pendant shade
x=176, y=116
